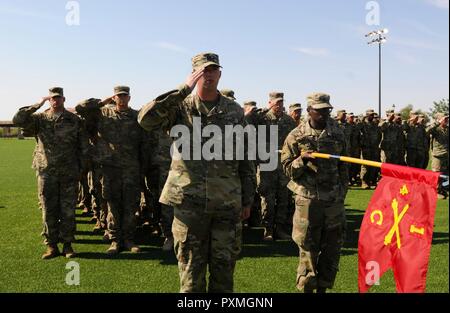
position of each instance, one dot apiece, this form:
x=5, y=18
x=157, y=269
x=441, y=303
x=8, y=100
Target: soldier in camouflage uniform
x=354, y=148
x=228, y=93
x=426, y=141
x=295, y=111
x=438, y=132
x=370, y=141
x=210, y=197
x=272, y=184
x=59, y=158
x=391, y=132
x=119, y=151
x=320, y=187
x=415, y=139
x=401, y=140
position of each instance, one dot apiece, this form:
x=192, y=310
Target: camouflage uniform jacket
x=119, y=137
x=319, y=179
x=415, y=136
x=217, y=183
x=370, y=135
x=439, y=140
x=62, y=147
x=391, y=134
x=355, y=137
x=347, y=130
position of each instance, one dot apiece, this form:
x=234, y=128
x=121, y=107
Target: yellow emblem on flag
x=394, y=229
x=404, y=190
x=417, y=230
x=380, y=217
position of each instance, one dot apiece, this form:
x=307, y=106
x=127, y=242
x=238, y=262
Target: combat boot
x=52, y=252
x=365, y=186
x=97, y=227
x=168, y=244
x=268, y=234
x=131, y=246
x=113, y=249
x=68, y=251
x=281, y=234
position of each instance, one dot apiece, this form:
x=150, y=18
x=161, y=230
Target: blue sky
x=293, y=46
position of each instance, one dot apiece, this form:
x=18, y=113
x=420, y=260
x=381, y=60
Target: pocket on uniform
x=179, y=231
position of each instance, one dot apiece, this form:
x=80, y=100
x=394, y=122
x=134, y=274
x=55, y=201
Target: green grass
x=264, y=267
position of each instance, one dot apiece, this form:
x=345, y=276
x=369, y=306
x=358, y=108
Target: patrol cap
x=276, y=96
x=319, y=101
x=439, y=116
x=350, y=114
x=415, y=112
x=295, y=107
x=121, y=90
x=203, y=60
x=89, y=101
x=228, y=93
x=339, y=112
x=250, y=103
x=370, y=112
x=375, y=115
x=56, y=92
x=391, y=111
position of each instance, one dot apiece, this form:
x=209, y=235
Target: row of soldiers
x=202, y=202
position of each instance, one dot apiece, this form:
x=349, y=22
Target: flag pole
x=362, y=162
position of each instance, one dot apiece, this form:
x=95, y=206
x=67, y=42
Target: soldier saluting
x=60, y=155
x=209, y=196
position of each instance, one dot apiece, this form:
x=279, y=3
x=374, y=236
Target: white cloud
x=171, y=47
x=441, y=4
x=416, y=44
x=320, y=52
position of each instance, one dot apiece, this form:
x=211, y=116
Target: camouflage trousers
x=354, y=169
x=99, y=204
x=206, y=241
x=121, y=190
x=440, y=164
x=272, y=188
x=57, y=198
x=319, y=231
x=415, y=158
x=369, y=174
x=84, y=195
x=391, y=156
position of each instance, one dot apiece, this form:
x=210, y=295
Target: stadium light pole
x=380, y=39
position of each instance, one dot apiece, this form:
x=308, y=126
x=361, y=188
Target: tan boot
x=131, y=246
x=52, y=252
x=113, y=249
x=268, y=234
x=168, y=244
x=97, y=227
x=68, y=251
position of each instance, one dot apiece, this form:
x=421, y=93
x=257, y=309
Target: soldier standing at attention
x=390, y=134
x=370, y=141
x=210, y=196
x=272, y=184
x=415, y=137
x=439, y=143
x=60, y=157
x=119, y=150
x=354, y=149
x=320, y=187
x=295, y=111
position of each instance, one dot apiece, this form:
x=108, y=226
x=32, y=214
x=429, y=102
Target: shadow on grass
x=147, y=253
x=255, y=247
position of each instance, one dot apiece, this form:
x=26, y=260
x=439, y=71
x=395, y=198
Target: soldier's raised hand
x=44, y=99
x=193, y=78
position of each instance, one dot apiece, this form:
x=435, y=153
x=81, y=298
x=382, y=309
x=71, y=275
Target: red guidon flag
x=397, y=228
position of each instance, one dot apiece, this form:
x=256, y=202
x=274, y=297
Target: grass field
x=264, y=267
